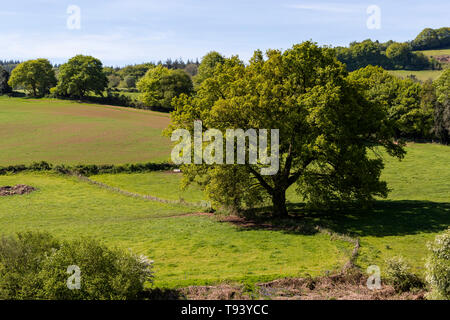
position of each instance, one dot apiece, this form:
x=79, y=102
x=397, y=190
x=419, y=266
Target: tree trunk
x=279, y=203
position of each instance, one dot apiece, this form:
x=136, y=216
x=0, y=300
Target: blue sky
x=121, y=32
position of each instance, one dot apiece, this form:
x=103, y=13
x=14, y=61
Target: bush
x=20, y=261
x=399, y=275
x=438, y=267
x=35, y=265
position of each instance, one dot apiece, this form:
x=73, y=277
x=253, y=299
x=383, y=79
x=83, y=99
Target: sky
x=121, y=32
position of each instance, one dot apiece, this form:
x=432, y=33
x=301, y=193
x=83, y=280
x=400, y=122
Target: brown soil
x=444, y=58
x=16, y=190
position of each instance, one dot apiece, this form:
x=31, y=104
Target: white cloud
x=112, y=48
x=327, y=7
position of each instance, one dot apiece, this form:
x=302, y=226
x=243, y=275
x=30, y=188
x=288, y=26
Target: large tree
x=160, y=85
x=81, y=75
x=36, y=76
x=326, y=129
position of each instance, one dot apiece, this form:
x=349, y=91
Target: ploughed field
x=189, y=247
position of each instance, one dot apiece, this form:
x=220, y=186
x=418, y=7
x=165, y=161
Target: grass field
x=187, y=249
x=435, y=53
x=68, y=132
x=190, y=249
x=417, y=208
x=422, y=75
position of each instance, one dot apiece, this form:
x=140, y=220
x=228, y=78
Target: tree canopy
x=404, y=100
x=160, y=85
x=80, y=75
x=207, y=66
x=36, y=76
x=326, y=129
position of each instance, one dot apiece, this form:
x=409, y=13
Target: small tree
x=80, y=75
x=4, y=77
x=207, y=66
x=130, y=82
x=160, y=85
x=36, y=76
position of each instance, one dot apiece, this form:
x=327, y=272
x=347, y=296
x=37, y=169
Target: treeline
x=420, y=111
x=432, y=39
x=9, y=65
x=389, y=55
x=128, y=76
x=395, y=55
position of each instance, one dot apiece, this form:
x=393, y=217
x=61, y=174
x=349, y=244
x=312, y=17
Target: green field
x=187, y=248
x=435, y=53
x=417, y=209
x=68, y=132
x=422, y=75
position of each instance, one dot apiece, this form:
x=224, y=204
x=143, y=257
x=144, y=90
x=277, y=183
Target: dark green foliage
x=403, y=99
x=390, y=55
x=136, y=71
x=442, y=107
x=361, y=54
x=160, y=85
x=34, y=265
x=81, y=75
x=432, y=39
x=89, y=169
x=4, y=77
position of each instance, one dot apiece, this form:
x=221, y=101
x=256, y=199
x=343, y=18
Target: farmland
x=67, y=132
x=189, y=248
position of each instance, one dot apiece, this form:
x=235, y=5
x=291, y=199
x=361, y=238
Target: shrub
x=438, y=267
x=399, y=275
x=105, y=273
x=34, y=265
x=21, y=257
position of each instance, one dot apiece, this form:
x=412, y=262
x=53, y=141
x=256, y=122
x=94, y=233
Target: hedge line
x=89, y=169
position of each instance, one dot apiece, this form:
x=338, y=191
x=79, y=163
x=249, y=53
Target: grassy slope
x=435, y=53
x=68, y=132
x=50, y=130
x=187, y=250
x=417, y=208
x=422, y=75
x=163, y=185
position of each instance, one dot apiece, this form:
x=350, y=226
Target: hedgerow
x=88, y=169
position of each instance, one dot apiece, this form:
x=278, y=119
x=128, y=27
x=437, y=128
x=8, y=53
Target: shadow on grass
x=385, y=218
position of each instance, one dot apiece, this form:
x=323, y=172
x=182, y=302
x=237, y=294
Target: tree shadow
x=385, y=218
x=392, y=218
